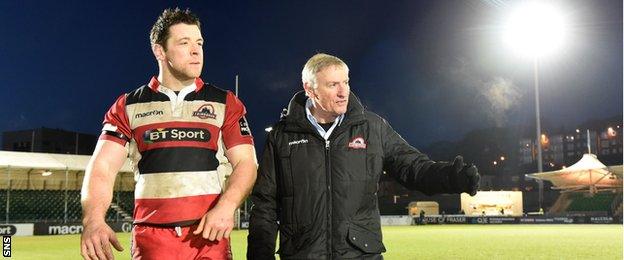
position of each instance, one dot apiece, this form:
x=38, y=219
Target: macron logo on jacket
x=302, y=141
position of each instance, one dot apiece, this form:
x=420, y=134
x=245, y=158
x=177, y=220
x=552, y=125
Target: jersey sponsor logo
x=302, y=141
x=205, y=111
x=149, y=113
x=244, y=127
x=357, y=143
x=176, y=134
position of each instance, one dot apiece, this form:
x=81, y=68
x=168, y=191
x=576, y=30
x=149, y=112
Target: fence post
x=7, y=211
x=66, y=179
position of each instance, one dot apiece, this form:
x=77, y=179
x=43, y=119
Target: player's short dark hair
x=169, y=17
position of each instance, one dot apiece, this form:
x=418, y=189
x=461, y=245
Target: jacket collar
x=296, y=114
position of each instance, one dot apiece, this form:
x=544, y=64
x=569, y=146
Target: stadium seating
x=599, y=202
x=49, y=205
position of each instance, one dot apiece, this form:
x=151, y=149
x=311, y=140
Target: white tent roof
x=588, y=171
x=48, y=161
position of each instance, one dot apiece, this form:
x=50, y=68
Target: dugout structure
x=492, y=203
x=587, y=187
x=429, y=207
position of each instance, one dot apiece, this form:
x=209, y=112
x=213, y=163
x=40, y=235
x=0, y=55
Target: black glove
x=464, y=177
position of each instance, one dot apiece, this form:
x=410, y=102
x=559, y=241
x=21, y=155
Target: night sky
x=434, y=69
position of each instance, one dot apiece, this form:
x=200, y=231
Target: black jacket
x=322, y=195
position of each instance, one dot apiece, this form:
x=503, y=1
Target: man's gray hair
x=318, y=62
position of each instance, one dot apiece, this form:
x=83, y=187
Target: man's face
x=184, y=55
x=331, y=94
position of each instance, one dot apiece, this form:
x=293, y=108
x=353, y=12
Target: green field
x=416, y=242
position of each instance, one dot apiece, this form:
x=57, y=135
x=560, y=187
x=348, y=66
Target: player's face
x=331, y=94
x=184, y=55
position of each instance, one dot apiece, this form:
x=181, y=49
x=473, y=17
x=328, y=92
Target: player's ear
x=159, y=51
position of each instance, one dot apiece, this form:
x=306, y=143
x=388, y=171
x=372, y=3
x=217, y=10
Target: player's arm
x=219, y=221
x=237, y=140
x=96, y=196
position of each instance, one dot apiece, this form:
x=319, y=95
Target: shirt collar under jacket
x=321, y=131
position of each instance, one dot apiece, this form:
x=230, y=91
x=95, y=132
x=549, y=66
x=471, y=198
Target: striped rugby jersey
x=175, y=142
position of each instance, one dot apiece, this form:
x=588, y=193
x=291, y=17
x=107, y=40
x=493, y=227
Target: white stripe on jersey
x=177, y=184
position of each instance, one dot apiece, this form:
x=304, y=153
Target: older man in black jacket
x=317, y=180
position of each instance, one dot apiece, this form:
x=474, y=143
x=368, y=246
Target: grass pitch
x=414, y=242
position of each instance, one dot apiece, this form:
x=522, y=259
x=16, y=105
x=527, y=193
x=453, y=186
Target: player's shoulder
x=212, y=93
x=144, y=94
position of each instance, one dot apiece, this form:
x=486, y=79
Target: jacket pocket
x=294, y=240
x=365, y=240
x=286, y=176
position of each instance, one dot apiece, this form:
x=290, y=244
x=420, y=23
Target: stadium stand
x=49, y=206
x=602, y=203
x=598, y=202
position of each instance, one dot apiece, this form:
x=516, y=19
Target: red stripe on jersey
x=171, y=210
x=231, y=130
x=144, y=141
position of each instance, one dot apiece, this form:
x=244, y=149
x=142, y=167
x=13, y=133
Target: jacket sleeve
x=263, y=220
x=410, y=167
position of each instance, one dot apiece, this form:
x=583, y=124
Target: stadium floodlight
x=535, y=29
x=46, y=173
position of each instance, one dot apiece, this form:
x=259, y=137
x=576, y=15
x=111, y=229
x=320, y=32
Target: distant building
x=47, y=140
x=564, y=149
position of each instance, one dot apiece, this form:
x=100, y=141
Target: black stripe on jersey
x=145, y=94
x=208, y=93
x=177, y=159
x=116, y=134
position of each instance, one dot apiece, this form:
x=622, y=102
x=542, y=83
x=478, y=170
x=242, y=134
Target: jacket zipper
x=329, y=198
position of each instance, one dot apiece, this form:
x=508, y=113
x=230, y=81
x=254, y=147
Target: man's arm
x=219, y=221
x=415, y=170
x=96, y=196
x=263, y=220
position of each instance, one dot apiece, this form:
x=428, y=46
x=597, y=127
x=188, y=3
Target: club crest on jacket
x=357, y=143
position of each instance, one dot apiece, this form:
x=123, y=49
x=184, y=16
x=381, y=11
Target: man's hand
x=95, y=241
x=466, y=176
x=216, y=224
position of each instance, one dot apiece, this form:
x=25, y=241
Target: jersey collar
x=154, y=84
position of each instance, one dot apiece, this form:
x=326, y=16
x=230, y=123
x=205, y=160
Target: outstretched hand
x=466, y=175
